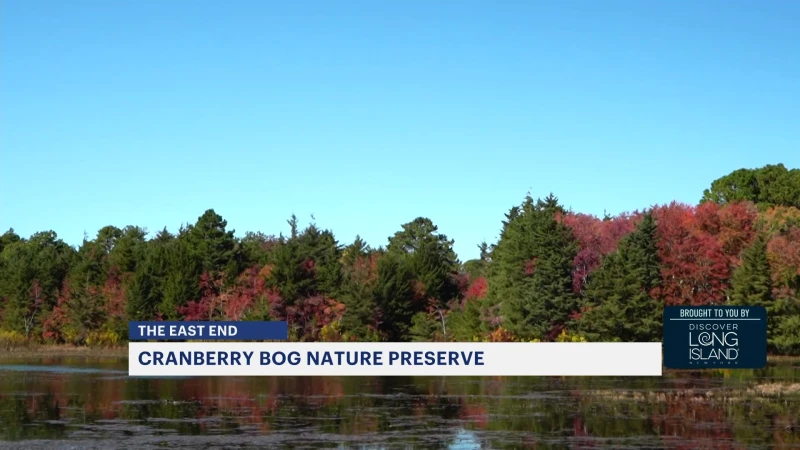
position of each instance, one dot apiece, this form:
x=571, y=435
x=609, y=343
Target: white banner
x=391, y=359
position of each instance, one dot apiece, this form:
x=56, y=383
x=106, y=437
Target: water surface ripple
x=82, y=403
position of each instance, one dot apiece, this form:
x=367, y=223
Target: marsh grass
x=33, y=350
x=759, y=391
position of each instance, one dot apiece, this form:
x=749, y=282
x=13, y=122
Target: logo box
x=712, y=337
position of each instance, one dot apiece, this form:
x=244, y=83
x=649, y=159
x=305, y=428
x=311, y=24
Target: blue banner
x=713, y=337
x=208, y=331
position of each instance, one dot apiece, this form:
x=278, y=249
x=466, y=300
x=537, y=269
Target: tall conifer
x=619, y=306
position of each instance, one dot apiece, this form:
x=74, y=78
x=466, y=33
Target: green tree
x=307, y=264
x=769, y=185
x=321, y=252
x=752, y=282
x=8, y=238
x=355, y=251
x=751, y=285
x=216, y=247
x=394, y=296
x=90, y=267
x=146, y=291
x=258, y=247
x=429, y=256
x=32, y=273
x=185, y=265
x=128, y=249
x=429, y=326
x=466, y=322
x=531, y=278
x=87, y=274
x=478, y=267
x=619, y=306
x=359, y=278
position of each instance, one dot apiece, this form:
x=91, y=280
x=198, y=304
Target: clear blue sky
x=368, y=114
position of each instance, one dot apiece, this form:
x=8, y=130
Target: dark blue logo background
x=207, y=330
x=708, y=337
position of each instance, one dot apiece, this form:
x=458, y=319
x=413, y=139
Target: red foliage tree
x=54, y=323
x=113, y=293
x=207, y=307
x=365, y=269
x=463, y=283
x=250, y=287
x=309, y=315
x=731, y=225
x=784, y=254
x=780, y=218
x=195, y=310
x=477, y=289
x=596, y=239
x=695, y=270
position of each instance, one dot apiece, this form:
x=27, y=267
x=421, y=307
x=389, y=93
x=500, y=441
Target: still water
x=84, y=403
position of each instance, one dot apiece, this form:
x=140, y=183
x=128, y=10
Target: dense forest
x=553, y=275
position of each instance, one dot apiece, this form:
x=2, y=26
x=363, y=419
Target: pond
x=62, y=402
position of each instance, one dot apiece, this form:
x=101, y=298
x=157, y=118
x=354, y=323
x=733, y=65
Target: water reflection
x=84, y=401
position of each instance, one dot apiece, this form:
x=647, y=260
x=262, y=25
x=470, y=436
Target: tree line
x=553, y=274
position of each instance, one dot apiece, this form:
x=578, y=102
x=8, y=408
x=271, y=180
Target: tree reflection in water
x=680, y=410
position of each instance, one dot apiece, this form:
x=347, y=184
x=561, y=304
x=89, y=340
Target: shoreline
x=43, y=351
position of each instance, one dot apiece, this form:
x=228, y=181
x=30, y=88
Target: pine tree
x=127, y=251
x=751, y=285
x=320, y=254
x=429, y=257
x=8, y=238
x=478, y=267
x=531, y=278
x=182, y=278
x=394, y=296
x=752, y=281
x=33, y=272
x=216, y=247
x=307, y=264
x=619, y=306
x=354, y=251
x=357, y=292
x=146, y=291
x=360, y=309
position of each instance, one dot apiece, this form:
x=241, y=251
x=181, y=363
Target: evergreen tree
x=531, y=278
x=357, y=291
x=128, y=249
x=8, y=238
x=360, y=316
x=466, y=322
x=752, y=281
x=619, y=306
x=478, y=267
x=307, y=264
x=146, y=292
x=257, y=248
x=90, y=267
x=751, y=284
x=429, y=256
x=394, y=297
x=354, y=251
x=320, y=254
x=216, y=248
x=429, y=326
x=182, y=280
x=32, y=272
